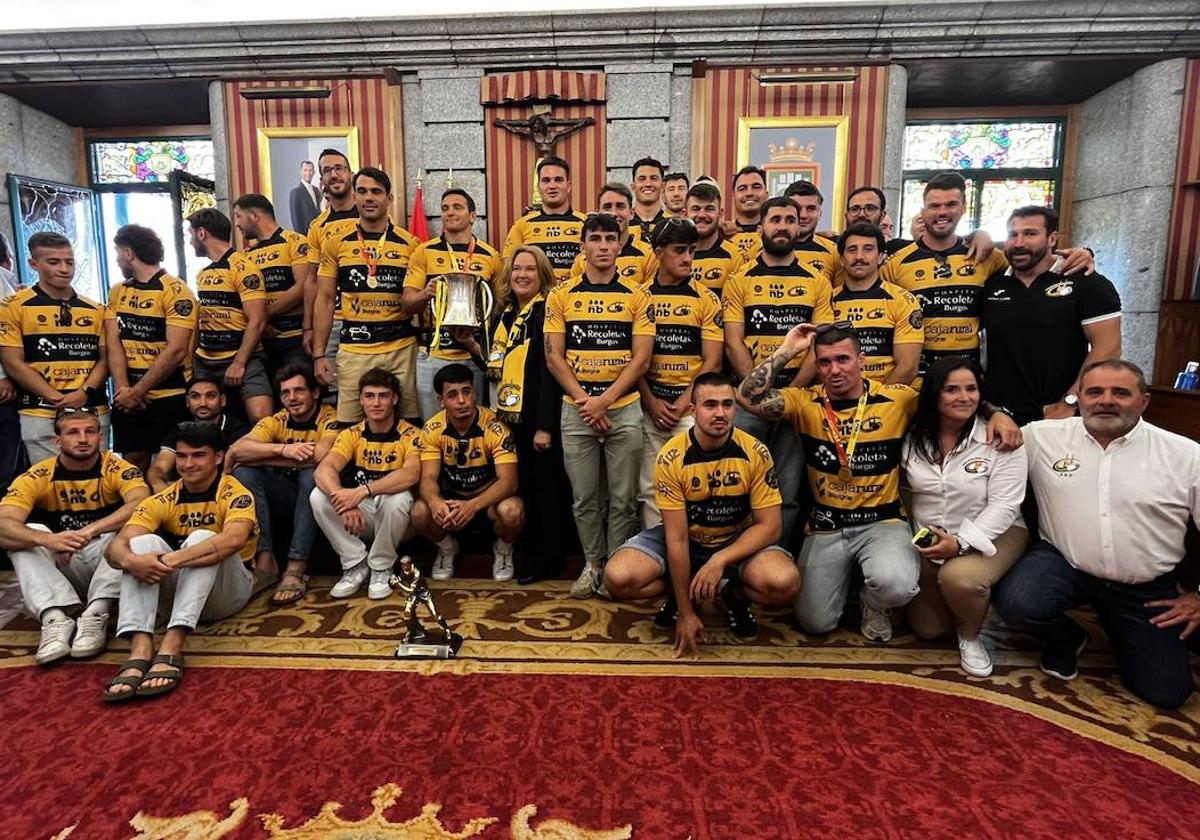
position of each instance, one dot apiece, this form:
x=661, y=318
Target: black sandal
x=293, y=592
x=173, y=676
x=131, y=680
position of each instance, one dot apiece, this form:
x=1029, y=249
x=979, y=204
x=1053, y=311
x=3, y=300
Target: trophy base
x=430, y=650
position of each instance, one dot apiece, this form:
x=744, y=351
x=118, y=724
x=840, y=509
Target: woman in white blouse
x=969, y=495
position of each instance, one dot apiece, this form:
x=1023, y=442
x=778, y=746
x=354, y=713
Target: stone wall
x=34, y=144
x=649, y=115
x=1124, y=180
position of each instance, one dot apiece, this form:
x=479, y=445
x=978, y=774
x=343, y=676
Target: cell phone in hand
x=924, y=538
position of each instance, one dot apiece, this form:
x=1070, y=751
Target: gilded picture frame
x=281, y=151
x=800, y=148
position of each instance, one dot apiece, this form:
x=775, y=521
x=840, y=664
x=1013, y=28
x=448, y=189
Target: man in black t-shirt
x=206, y=404
x=1044, y=327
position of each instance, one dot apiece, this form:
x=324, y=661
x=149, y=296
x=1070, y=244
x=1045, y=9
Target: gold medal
x=844, y=474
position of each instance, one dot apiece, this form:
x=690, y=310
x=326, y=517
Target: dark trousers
x=13, y=460
x=547, y=496
x=1153, y=662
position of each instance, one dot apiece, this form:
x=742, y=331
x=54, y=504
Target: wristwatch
x=963, y=548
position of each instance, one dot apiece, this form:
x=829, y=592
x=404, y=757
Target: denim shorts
x=653, y=543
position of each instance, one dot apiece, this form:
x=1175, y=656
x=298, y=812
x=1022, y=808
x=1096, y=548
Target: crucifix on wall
x=543, y=131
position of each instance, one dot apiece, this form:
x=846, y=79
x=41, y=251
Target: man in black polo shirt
x=1044, y=327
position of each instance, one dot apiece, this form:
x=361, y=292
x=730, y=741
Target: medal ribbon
x=845, y=453
x=372, y=261
x=439, y=293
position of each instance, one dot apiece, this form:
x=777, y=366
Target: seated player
x=55, y=522
x=186, y=553
x=363, y=496
x=720, y=502
x=276, y=461
x=206, y=404
x=468, y=473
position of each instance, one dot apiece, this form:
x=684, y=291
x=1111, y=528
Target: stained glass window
x=149, y=161
x=1005, y=164
x=986, y=145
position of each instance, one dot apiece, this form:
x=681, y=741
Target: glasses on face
x=338, y=168
x=836, y=325
x=863, y=209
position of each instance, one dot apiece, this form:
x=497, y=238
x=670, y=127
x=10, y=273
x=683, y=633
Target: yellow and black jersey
x=770, y=300
x=372, y=455
x=599, y=322
x=871, y=493
x=685, y=316
x=949, y=287
x=329, y=225
x=281, y=427
x=373, y=318
x=713, y=267
x=748, y=240
x=437, y=256
x=817, y=254
x=225, y=286
x=143, y=311
x=175, y=513
x=61, y=340
x=720, y=490
x=557, y=234
x=276, y=257
x=67, y=500
x=642, y=229
x=468, y=460
x=883, y=316
x=636, y=264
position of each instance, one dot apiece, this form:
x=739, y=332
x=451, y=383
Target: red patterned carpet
x=665, y=757
x=569, y=720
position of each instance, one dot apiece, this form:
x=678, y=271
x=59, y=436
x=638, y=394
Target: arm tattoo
x=771, y=407
x=548, y=345
x=756, y=387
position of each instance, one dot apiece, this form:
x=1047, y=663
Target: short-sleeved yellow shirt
x=720, y=490
x=372, y=455
x=225, y=286
x=67, y=500
x=468, y=460
x=176, y=512
x=143, y=311
x=281, y=427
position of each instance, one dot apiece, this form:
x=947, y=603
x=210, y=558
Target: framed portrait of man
x=287, y=159
x=792, y=149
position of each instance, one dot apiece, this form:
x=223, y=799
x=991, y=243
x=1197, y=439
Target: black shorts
x=143, y=431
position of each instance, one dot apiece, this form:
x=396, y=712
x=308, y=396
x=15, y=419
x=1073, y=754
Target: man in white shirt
x=1114, y=497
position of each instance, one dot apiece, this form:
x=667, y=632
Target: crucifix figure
x=544, y=131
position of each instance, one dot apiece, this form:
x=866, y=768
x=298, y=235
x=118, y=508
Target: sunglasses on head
x=668, y=225
x=836, y=325
x=83, y=409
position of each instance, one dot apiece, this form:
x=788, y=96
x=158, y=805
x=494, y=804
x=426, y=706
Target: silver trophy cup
x=463, y=300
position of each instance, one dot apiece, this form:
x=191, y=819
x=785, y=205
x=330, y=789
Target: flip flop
x=131, y=680
x=296, y=590
x=174, y=675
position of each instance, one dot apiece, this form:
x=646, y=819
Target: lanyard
x=462, y=267
x=845, y=453
x=372, y=261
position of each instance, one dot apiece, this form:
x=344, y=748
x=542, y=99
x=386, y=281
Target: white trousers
x=187, y=596
x=387, y=518
x=45, y=584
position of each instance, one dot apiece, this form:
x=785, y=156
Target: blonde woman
x=529, y=399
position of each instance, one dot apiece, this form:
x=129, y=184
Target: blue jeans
x=278, y=494
x=1153, y=662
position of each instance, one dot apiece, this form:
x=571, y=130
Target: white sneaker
x=502, y=564
x=975, y=658
x=56, y=640
x=352, y=580
x=588, y=582
x=91, y=635
x=876, y=624
x=443, y=564
x=378, y=588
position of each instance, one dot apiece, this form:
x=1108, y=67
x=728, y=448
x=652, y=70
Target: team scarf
x=506, y=362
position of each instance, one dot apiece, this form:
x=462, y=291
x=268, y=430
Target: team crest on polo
x=1060, y=289
x=976, y=466
x=1065, y=466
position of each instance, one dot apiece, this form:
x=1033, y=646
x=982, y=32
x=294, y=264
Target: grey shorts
x=255, y=383
x=653, y=543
